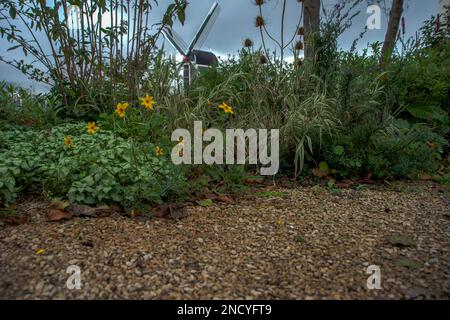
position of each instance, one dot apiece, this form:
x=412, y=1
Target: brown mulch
x=311, y=243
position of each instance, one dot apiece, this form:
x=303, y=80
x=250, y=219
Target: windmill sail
x=194, y=59
x=208, y=27
x=181, y=43
x=214, y=11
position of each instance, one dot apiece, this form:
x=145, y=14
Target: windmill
x=194, y=60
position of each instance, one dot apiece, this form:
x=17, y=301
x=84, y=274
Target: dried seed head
x=260, y=2
x=301, y=31
x=259, y=22
x=248, y=43
x=299, y=46
x=263, y=59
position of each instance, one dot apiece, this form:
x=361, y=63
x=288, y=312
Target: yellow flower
x=148, y=102
x=159, y=151
x=226, y=108
x=68, y=142
x=92, y=127
x=121, y=109
x=40, y=251
x=223, y=106
x=180, y=147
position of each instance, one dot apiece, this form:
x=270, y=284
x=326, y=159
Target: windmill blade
x=207, y=30
x=179, y=40
x=206, y=23
x=173, y=42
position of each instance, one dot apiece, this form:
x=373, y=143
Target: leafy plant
x=85, y=61
x=92, y=169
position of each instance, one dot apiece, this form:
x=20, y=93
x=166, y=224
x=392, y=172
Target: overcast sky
x=236, y=22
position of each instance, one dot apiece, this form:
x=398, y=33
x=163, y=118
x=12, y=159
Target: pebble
x=243, y=251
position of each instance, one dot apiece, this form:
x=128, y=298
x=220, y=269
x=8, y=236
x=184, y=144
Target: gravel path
x=309, y=243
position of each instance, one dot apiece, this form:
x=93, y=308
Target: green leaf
x=205, y=202
x=402, y=124
x=181, y=16
x=323, y=166
x=12, y=12
x=13, y=48
x=338, y=150
x=271, y=194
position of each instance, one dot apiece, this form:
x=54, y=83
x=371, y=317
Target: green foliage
x=340, y=113
x=88, y=64
x=99, y=168
x=21, y=107
x=389, y=156
x=271, y=194
x=139, y=124
x=420, y=84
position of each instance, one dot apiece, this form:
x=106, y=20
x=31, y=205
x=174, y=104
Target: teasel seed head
x=263, y=59
x=259, y=22
x=301, y=31
x=299, y=46
x=248, y=43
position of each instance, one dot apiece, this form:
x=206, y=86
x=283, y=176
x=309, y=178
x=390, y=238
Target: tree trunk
x=311, y=23
x=392, y=30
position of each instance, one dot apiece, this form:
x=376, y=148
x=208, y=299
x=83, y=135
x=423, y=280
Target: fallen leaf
x=135, y=213
x=87, y=243
x=205, y=202
x=407, y=263
x=171, y=211
x=224, y=199
x=80, y=210
x=160, y=211
x=317, y=172
x=177, y=212
x=401, y=241
x=254, y=180
x=58, y=205
x=431, y=145
x=16, y=220
x=271, y=194
x=415, y=293
x=40, y=251
x=57, y=215
x=344, y=184
x=424, y=177
x=87, y=211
